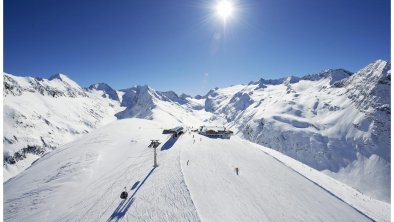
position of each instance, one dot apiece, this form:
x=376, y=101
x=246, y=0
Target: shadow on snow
x=135, y=185
x=170, y=142
x=124, y=205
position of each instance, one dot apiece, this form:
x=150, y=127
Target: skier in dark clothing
x=236, y=170
x=124, y=194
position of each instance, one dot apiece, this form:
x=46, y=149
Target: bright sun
x=224, y=9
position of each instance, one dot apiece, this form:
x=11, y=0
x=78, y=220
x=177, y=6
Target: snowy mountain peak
x=99, y=85
x=64, y=78
x=139, y=102
x=334, y=75
x=270, y=81
x=291, y=80
x=60, y=76
x=184, y=96
x=211, y=93
x=107, y=90
x=379, y=68
x=140, y=89
x=381, y=61
x=143, y=88
x=198, y=97
x=263, y=83
x=57, y=85
x=173, y=97
x=369, y=88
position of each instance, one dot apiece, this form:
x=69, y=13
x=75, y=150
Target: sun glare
x=224, y=9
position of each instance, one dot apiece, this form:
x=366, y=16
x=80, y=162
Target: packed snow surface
x=195, y=180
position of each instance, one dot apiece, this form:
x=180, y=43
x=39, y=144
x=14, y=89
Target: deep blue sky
x=181, y=45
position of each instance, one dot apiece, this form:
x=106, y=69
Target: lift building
x=215, y=132
x=177, y=131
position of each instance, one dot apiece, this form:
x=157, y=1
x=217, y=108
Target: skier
x=236, y=170
x=124, y=194
x=187, y=163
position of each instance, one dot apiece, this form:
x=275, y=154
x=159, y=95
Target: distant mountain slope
x=139, y=102
x=41, y=114
x=108, y=92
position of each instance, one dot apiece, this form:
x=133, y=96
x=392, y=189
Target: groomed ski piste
x=195, y=181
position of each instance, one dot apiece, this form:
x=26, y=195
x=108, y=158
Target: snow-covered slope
x=195, y=180
x=41, y=114
x=81, y=181
x=333, y=121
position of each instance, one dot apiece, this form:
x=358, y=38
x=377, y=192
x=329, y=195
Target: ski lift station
x=215, y=132
x=177, y=131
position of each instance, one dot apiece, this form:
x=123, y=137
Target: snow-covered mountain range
x=335, y=121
